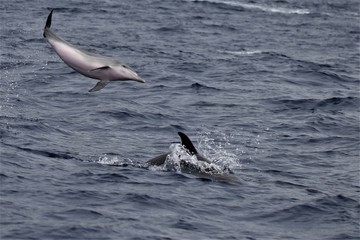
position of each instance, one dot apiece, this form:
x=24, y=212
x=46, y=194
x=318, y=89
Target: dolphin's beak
x=138, y=79
x=135, y=76
x=141, y=80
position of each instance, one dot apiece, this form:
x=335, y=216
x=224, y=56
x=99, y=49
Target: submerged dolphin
x=187, y=144
x=89, y=64
x=188, y=167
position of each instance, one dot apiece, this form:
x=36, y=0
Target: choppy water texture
x=267, y=89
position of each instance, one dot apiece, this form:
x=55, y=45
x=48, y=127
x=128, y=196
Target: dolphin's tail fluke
x=48, y=23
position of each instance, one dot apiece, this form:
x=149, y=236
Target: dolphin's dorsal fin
x=186, y=142
x=100, y=68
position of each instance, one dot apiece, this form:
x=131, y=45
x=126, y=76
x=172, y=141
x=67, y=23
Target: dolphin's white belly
x=76, y=59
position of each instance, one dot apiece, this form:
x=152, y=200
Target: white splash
x=243, y=52
x=176, y=155
x=179, y=160
x=8, y=86
x=218, y=148
x=115, y=160
x=259, y=7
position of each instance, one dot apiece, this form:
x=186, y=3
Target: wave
x=332, y=207
x=327, y=104
x=82, y=212
x=45, y=153
x=243, y=52
x=302, y=66
x=201, y=86
x=259, y=7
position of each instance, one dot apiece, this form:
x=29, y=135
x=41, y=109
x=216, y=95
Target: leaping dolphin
x=89, y=64
x=188, y=167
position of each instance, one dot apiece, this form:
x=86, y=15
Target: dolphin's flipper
x=48, y=23
x=159, y=160
x=186, y=142
x=100, y=85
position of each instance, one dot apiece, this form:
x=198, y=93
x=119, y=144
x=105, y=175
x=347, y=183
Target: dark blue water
x=269, y=90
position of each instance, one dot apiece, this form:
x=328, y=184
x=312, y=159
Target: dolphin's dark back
x=158, y=160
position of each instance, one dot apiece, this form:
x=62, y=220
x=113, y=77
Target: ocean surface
x=267, y=90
